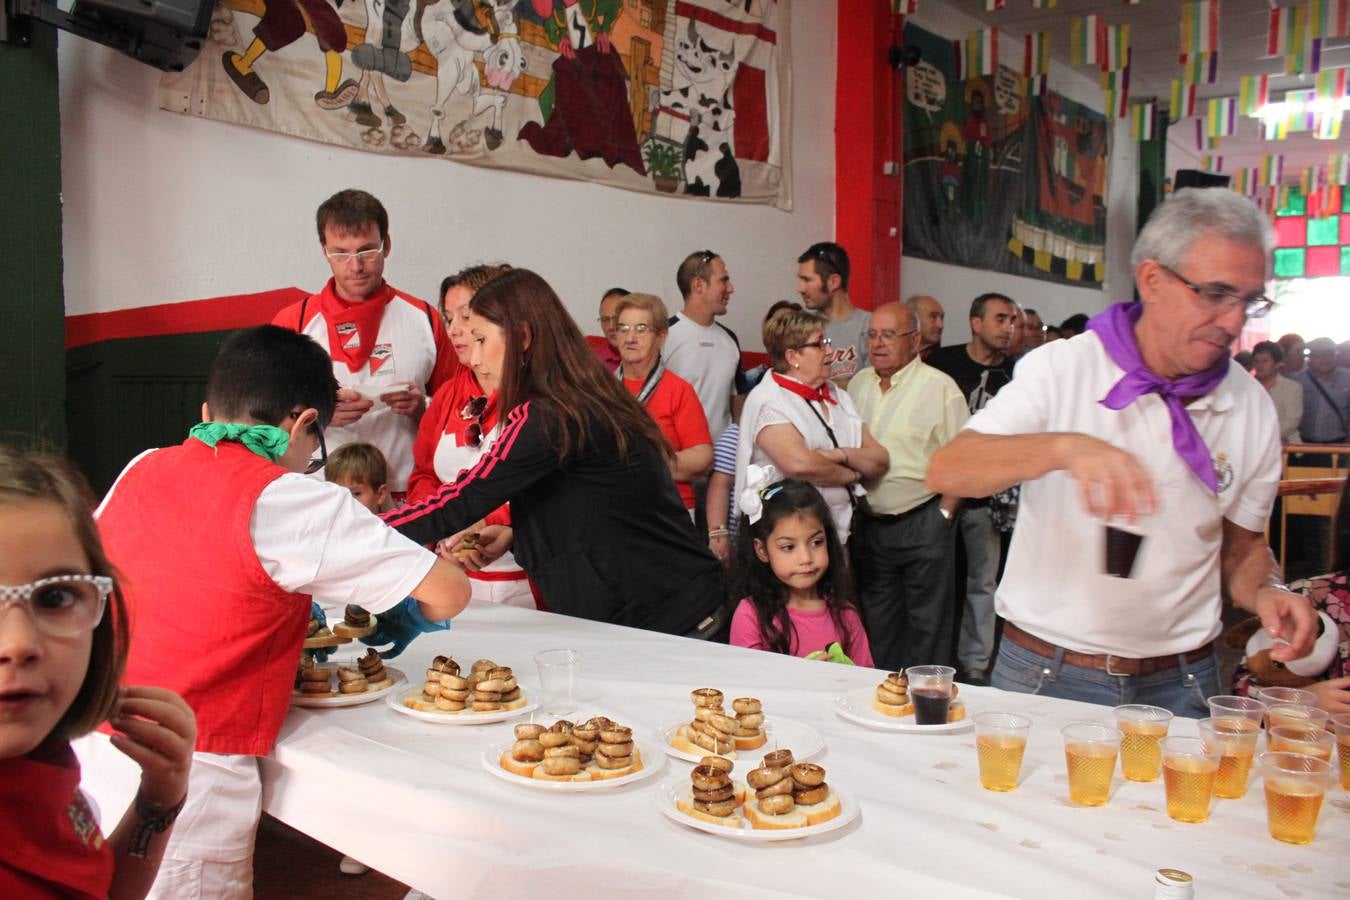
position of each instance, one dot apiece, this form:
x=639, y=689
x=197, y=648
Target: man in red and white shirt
x=389, y=349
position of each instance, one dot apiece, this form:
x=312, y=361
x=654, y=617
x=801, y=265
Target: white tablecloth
x=411, y=799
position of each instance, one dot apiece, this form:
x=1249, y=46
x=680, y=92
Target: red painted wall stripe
x=189, y=317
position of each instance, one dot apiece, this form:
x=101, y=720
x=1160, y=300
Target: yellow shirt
x=922, y=410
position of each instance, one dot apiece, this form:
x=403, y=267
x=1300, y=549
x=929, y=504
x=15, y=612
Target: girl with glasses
x=62, y=650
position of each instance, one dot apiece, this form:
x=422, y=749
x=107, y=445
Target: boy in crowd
x=361, y=468
x=221, y=542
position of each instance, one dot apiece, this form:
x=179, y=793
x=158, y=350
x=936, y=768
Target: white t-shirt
x=771, y=404
x=312, y=537
x=848, y=345
x=452, y=460
x=707, y=357
x=406, y=337
x=1054, y=586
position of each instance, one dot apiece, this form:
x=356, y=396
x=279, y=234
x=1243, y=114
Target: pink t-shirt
x=812, y=631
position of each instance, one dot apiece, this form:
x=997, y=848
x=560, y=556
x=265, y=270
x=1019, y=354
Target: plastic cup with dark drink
x=1121, y=549
x=930, y=690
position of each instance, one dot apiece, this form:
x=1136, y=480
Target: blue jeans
x=1182, y=689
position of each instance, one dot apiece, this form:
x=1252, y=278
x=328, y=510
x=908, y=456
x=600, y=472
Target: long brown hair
x=559, y=367
x=33, y=476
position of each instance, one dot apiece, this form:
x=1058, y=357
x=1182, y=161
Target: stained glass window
x=1308, y=247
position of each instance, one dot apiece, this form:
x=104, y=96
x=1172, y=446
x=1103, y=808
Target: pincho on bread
x=318, y=636
x=892, y=699
x=712, y=795
x=789, y=794
x=356, y=623
x=713, y=731
x=596, y=750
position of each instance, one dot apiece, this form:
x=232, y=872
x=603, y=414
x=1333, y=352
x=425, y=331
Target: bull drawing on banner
x=696, y=112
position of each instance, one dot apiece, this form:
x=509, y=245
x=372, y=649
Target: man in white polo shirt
x=701, y=350
x=1145, y=422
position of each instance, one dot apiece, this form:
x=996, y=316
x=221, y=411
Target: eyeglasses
x=363, y=255
x=640, y=328
x=1216, y=295
x=819, y=345
x=318, y=462
x=889, y=334
x=63, y=605
x=473, y=411
x=605, y=320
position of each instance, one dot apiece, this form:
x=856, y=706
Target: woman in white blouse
x=798, y=422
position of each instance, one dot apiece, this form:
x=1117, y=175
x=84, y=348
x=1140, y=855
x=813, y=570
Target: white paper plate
x=803, y=740
x=465, y=717
x=652, y=764
x=672, y=788
x=341, y=700
x=856, y=706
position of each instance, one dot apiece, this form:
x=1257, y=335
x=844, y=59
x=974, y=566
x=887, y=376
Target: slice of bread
x=343, y=630
x=894, y=711
x=540, y=775
x=515, y=767
x=515, y=704
x=823, y=811
x=757, y=819
x=752, y=743
x=684, y=745
x=599, y=774
x=684, y=802
x=381, y=685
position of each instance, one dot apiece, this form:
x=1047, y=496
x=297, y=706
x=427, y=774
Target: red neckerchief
x=50, y=844
x=354, y=327
x=821, y=394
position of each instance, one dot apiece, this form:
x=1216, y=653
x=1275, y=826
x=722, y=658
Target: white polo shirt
x=1054, y=586
x=708, y=358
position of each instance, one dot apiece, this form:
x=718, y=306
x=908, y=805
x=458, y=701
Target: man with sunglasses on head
x=701, y=350
x=822, y=282
x=980, y=368
x=1143, y=423
x=389, y=349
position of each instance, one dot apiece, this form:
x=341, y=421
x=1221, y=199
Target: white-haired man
x=1145, y=422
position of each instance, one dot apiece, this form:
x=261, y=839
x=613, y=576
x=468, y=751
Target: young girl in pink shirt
x=798, y=597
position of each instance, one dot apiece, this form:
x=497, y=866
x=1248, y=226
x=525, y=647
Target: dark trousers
x=905, y=586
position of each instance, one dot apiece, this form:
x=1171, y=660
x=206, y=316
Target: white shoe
x=351, y=866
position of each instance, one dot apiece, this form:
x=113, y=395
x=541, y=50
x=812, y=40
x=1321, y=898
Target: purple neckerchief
x=1115, y=328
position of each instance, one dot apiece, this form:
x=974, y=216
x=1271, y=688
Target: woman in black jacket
x=596, y=520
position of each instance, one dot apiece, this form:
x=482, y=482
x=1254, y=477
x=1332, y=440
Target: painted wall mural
x=682, y=97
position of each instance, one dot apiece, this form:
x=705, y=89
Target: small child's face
x=40, y=675
x=371, y=498
x=796, y=551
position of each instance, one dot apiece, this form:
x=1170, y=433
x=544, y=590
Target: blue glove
x=400, y=625
x=320, y=654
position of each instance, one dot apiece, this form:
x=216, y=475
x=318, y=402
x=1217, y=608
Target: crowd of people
x=868, y=496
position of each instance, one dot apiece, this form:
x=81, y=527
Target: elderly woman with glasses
x=640, y=333
x=797, y=422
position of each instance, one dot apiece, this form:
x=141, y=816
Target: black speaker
x=1195, y=178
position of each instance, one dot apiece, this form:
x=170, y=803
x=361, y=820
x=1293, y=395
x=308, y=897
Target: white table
x=411, y=799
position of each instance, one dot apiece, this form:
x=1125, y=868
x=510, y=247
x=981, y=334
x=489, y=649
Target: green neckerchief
x=268, y=441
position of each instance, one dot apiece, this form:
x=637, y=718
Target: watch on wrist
x=1279, y=586
x=153, y=819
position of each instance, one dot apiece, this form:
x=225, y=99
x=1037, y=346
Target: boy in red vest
x=221, y=541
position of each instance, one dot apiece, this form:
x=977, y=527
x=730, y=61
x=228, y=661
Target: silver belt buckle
x=1110, y=671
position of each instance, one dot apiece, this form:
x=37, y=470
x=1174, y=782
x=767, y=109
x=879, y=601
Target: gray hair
x=1193, y=213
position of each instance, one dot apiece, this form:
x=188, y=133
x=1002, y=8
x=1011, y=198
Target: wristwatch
x=153, y=819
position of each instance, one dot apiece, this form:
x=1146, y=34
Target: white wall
x=161, y=207
x=956, y=286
